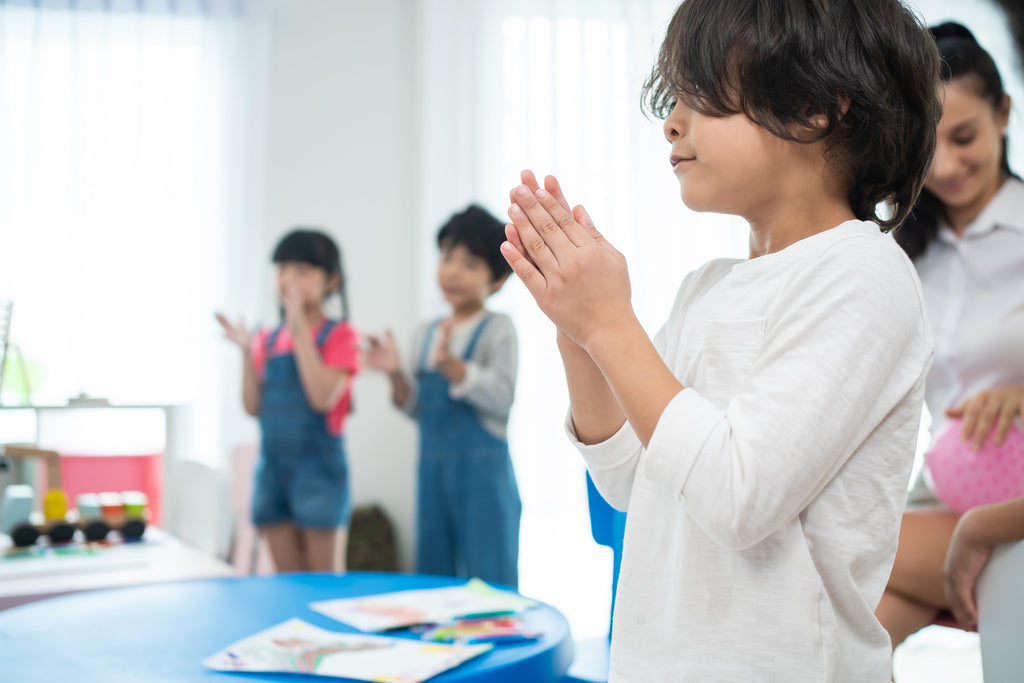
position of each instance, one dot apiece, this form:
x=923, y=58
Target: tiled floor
x=563, y=567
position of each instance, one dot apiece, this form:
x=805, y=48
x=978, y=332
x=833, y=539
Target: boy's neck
x=788, y=222
x=463, y=313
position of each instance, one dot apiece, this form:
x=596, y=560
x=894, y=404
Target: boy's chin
x=694, y=202
x=702, y=203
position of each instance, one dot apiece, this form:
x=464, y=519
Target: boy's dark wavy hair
x=315, y=247
x=481, y=233
x=867, y=68
x=964, y=58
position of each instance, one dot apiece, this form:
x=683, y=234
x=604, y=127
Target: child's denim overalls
x=302, y=475
x=468, y=507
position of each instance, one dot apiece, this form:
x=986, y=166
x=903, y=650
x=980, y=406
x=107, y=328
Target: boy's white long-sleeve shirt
x=764, y=514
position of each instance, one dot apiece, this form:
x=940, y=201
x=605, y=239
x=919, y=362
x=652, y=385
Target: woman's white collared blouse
x=973, y=289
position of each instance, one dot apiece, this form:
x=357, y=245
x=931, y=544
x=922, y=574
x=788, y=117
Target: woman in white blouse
x=966, y=238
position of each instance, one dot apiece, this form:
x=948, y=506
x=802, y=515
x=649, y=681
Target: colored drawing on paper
x=424, y=606
x=298, y=647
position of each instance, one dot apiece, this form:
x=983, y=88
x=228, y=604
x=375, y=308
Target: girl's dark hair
x=964, y=58
x=481, y=233
x=312, y=246
x=866, y=68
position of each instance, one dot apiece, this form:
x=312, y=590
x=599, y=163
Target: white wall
x=341, y=153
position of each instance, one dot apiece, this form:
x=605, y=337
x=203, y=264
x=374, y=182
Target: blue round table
x=162, y=632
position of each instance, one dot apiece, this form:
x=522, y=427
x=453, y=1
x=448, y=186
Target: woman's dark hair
x=481, y=233
x=861, y=74
x=312, y=246
x=963, y=58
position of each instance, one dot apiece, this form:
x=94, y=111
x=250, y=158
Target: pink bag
x=963, y=479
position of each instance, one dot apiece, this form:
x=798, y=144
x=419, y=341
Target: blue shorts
x=309, y=489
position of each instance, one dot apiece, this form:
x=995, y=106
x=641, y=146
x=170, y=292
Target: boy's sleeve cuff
x=683, y=429
x=610, y=453
x=458, y=391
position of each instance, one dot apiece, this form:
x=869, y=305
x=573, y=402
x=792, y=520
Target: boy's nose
x=675, y=123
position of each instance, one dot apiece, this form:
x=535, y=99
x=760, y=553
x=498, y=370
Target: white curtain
x=555, y=86
x=128, y=157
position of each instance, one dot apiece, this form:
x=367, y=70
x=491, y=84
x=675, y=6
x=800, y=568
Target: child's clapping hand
x=579, y=280
x=234, y=332
x=382, y=353
x=442, y=354
x=293, y=312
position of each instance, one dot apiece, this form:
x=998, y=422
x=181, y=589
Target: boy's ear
x=819, y=120
x=496, y=284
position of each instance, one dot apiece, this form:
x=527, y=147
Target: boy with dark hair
x=460, y=391
x=763, y=441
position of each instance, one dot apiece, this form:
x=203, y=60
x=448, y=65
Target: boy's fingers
x=552, y=186
x=528, y=179
x=564, y=211
x=537, y=231
x=524, y=269
x=583, y=218
x=512, y=235
x=563, y=218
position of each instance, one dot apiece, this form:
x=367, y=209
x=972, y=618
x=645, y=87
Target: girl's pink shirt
x=340, y=352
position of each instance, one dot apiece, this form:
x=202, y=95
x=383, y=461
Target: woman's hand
x=235, y=332
x=965, y=559
x=996, y=407
x=577, y=278
x=382, y=353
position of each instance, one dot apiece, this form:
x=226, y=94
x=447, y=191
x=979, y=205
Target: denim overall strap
x=468, y=504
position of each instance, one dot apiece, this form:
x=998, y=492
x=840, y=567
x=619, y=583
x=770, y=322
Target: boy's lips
x=677, y=159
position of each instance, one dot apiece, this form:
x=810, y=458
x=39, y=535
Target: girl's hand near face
x=382, y=353
x=994, y=408
x=577, y=278
x=235, y=332
x=293, y=312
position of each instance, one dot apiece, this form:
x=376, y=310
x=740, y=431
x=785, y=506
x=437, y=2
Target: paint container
x=135, y=503
x=88, y=505
x=112, y=506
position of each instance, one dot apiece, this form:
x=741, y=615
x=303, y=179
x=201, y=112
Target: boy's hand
x=577, y=278
x=236, y=332
x=382, y=353
x=997, y=408
x=441, y=354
